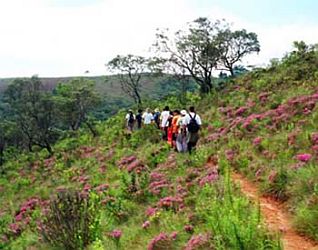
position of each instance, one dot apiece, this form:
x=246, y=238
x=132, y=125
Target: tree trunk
x=206, y=87
x=48, y=148
x=1, y=155
x=231, y=71
x=92, y=129
x=139, y=102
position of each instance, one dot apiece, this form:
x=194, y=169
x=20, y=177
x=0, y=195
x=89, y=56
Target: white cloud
x=38, y=37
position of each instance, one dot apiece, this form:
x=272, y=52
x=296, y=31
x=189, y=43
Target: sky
x=53, y=38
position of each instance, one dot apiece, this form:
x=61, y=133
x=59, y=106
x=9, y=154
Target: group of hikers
x=179, y=128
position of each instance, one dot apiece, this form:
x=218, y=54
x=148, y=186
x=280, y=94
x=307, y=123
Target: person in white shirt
x=193, y=123
x=147, y=117
x=181, y=142
x=164, y=118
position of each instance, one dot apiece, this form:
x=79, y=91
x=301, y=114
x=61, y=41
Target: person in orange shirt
x=175, y=127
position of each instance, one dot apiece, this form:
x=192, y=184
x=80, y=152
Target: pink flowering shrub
x=272, y=176
x=240, y=111
x=174, y=235
x=315, y=149
x=158, y=182
x=257, y=141
x=314, y=138
x=211, y=176
x=23, y=216
x=230, y=154
x=146, y=224
x=162, y=241
x=116, y=234
x=101, y=188
x=150, y=211
x=304, y=157
x=188, y=228
x=131, y=164
x=199, y=242
x=262, y=97
x=171, y=202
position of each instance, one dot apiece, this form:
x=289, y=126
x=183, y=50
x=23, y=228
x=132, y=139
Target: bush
x=73, y=220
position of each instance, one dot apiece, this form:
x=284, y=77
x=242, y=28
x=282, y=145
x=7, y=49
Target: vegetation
x=205, y=46
x=131, y=69
x=69, y=181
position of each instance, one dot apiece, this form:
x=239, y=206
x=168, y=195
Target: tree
x=33, y=111
x=234, y=46
x=76, y=99
x=130, y=69
x=196, y=49
x=10, y=136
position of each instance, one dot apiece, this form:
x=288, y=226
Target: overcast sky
x=68, y=37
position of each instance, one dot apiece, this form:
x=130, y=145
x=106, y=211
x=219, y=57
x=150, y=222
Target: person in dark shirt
x=139, y=118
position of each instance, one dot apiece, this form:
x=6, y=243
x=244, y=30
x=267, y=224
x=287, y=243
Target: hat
x=183, y=112
x=156, y=110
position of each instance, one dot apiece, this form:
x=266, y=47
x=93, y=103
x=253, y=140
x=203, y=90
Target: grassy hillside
x=134, y=192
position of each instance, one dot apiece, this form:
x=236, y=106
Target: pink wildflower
x=19, y=217
x=272, y=176
x=314, y=138
x=162, y=241
x=315, y=148
x=116, y=234
x=188, y=228
x=146, y=224
x=87, y=187
x=14, y=228
x=198, y=242
x=240, y=111
x=304, y=157
x=151, y=211
x=174, y=235
x=102, y=187
x=230, y=154
x=257, y=141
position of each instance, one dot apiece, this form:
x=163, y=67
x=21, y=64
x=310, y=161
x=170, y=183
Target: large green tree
x=33, y=110
x=76, y=99
x=195, y=49
x=234, y=46
x=204, y=46
x=130, y=70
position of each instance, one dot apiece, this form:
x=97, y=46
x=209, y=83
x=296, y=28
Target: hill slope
x=263, y=125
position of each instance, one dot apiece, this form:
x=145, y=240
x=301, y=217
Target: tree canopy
x=203, y=47
x=130, y=69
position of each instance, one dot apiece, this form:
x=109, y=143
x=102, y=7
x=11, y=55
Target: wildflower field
x=131, y=191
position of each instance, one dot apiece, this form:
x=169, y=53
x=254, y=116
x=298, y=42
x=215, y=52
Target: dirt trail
x=276, y=217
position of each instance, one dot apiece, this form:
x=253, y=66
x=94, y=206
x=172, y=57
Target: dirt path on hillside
x=276, y=217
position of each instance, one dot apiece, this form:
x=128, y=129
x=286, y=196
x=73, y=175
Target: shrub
x=72, y=221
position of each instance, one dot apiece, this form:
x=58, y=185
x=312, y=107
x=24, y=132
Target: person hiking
x=156, y=117
x=139, y=118
x=147, y=117
x=170, y=129
x=193, y=123
x=164, y=122
x=130, y=119
x=181, y=142
x=175, y=127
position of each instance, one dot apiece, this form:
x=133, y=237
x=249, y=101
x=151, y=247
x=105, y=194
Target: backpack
x=131, y=118
x=156, y=116
x=193, y=126
x=139, y=117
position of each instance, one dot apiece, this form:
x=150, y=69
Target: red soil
x=276, y=217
